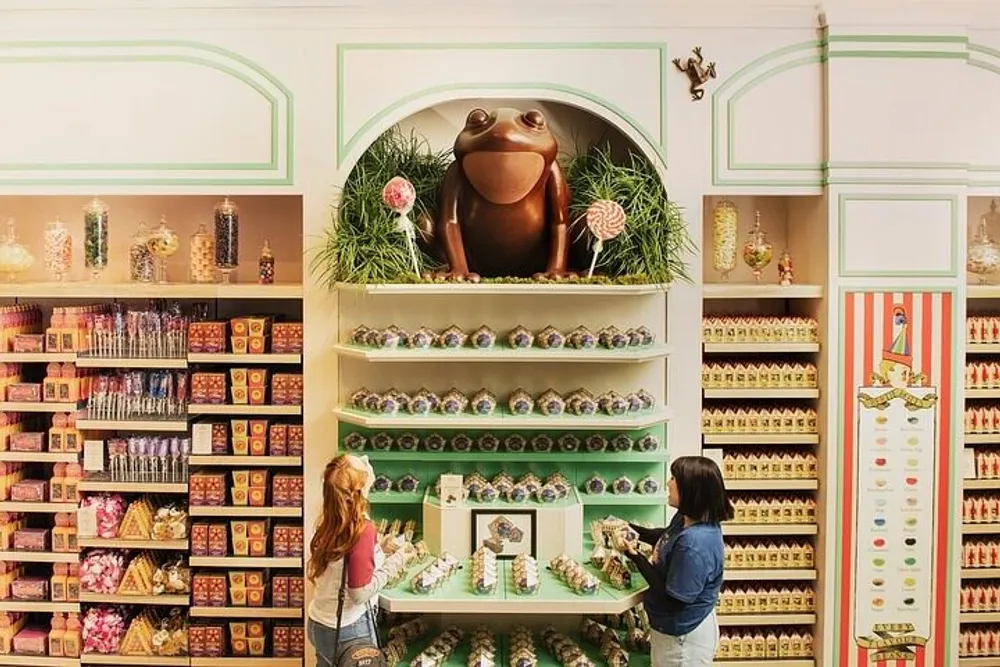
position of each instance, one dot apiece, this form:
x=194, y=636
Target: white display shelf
x=244, y=561
x=502, y=421
x=761, y=393
x=243, y=510
x=101, y=485
x=771, y=575
x=979, y=617
x=249, y=461
x=993, y=661
x=154, y=600
x=760, y=348
x=973, y=484
x=101, y=362
x=981, y=528
x=736, y=529
x=982, y=438
x=481, y=289
x=982, y=393
x=772, y=485
x=13, y=406
x=486, y=604
x=36, y=661
x=982, y=292
x=504, y=354
x=36, y=357
x=982, y=348
x=150, y=425
x=39, y=457
x=40, y=607
x=767, y=619
x=761, y=439
x=777, y=662
x=229, y=358
x=762, y=291
x=630, y=456
x=36, y=508
x=153, y=545
x=131, y=660
x=39, y=556
x=246, y=612
x=981, y=573
x=98, y=290
x=229, y=409
x=246, y=662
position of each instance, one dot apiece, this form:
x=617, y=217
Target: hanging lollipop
x=400, y=195
x=605, y=220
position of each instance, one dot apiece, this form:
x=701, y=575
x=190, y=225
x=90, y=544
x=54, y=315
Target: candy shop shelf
x=762, y=393
x=760, y=348
x=102, y=362
x=36, y=661
x=250, y=461
x=11, y=406
x=772, y=484
x=41, y=607
x=97, y=485
x=982, y=348
x=761, y=439
x=479, y=289
x=502, y=420
x=246, y=612
x=36, y=357
x=981, y=573
x=972, y=484
x=39, y=556
x=541, y=457
x=154, y=545
x=40, y=457
x=36, y=508
x=243, y=510
x=246, y=662
x=979, y=617
x=228, y=409
x=982, y=438
x=608, y=499
x=767, y=619
x=771, y=575
x=734, y=529
x=778, y=662
x=981, y=528
x=244, y=561
x=982, y=292
x=158, y=600
x=752, y=291
x=395, y=497
x=151, y=425
x=505, y=354
x=993, y=661
x=213, y=358
x=982, y=393
x=98, y=290
x=130, y=660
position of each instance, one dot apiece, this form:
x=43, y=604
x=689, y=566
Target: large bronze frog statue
x=504, y=204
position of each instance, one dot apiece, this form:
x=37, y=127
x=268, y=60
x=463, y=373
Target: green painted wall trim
x=386, y=117
x=957, y=444
x=283, y=92
x=844, y=199
x=898, y=39
x=918, y=55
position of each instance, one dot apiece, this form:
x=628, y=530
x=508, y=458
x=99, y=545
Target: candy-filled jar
x=725, y=230
x=58, y=249
x=202, y=256
x=757, y=250
x=95, y=236
x=983, y=259
x=163, y=244
x=265, y=265
x=14, y=257
x=140, y=260
x=227, y=237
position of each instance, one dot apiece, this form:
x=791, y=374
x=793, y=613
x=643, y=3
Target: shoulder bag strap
x=341, y=597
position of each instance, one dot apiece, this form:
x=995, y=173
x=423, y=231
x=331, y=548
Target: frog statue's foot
x=452, y=277
x=555, y=275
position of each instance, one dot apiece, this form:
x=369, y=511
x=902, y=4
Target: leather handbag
x=360, y=652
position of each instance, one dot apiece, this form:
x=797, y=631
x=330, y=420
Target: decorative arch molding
x=804, y=120
x=985, y=59
x=171, y=83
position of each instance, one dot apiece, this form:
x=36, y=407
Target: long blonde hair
x=345, y=512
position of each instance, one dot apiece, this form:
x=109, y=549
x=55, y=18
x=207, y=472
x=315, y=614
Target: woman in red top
x=346, y=533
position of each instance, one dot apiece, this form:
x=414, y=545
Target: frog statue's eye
x=476, y=118
x=534, y=119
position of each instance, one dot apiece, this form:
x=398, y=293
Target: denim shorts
x=324, y=639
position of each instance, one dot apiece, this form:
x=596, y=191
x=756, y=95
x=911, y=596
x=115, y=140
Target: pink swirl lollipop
x=605, y=220
x=399, y=195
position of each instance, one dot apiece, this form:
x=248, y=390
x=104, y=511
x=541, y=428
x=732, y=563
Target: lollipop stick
x=598, y=247
x=405, y=226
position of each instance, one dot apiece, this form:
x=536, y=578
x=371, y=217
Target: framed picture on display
x=508, y=533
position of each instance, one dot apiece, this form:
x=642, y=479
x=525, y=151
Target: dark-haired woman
x=685, y=571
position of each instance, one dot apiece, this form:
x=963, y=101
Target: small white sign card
x=86, y=521
x=93, y=455
x=452, y=490
x=201, y=439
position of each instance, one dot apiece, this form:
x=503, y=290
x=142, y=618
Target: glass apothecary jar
x=757, y=250
x=227, y=237
x=141, y=268
x=95, y=236
x=984, y=254
x=725, y=237
x=15, y=258
x=265, y=265
x=202, y=256
x=58, y=250
x=163, y=244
